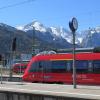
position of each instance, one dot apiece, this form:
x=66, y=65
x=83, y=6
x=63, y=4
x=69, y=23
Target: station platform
x=57, y=90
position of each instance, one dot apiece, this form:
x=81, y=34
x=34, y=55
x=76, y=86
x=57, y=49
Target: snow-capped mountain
x=47, y=37
x=8, y=33
x=91, y=37
x=60, y=35
x=50, y=34
x=35, y=24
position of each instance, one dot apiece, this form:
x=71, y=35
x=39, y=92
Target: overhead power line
x=16, y=4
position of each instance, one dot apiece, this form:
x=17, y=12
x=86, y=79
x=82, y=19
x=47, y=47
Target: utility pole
x=35, y=43
x=73, y=24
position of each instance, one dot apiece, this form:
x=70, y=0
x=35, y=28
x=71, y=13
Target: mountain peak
x=38, y=26
x=55, y=32
x=35, y=24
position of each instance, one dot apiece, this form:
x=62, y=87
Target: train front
x=27, y=76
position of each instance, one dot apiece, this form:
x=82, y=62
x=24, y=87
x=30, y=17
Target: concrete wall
x=22, y=96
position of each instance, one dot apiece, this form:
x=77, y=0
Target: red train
x=19, y=67
x=57, y=68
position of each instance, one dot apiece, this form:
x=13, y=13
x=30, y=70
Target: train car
x=57, y=68
x=20, y=66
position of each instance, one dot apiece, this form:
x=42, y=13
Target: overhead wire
x=91, y=13
x=16, y=4
x=28, y=1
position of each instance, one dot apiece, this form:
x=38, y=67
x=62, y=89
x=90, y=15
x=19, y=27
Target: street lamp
x=73, y=25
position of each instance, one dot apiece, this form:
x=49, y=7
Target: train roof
x=68, y=56
x=77, y=50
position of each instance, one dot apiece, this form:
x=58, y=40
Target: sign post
x=73, y=25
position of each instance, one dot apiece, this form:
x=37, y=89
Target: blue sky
x=51, y=12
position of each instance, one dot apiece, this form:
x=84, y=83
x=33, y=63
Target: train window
x=34, y=67
x=69, y=66
x=41, y=66
x=46, y=66
x=96, y=66
x=82, y=66
x=59, y=66
x=90, y=66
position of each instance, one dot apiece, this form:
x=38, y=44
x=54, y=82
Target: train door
x=41, y=71
x=47, y=76
x=36, y=71
x=56, y=71
x=96, y=71
x=81, y=70
x=44, y=71
x=93, y=75
x=69, y=75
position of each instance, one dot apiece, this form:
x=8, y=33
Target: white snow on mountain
x=19, y=27
x=91, y=37
x=62, y=33
x=80, y=39
x=38, y=26
x=98, y=29
x=56, y=32
x=34, y=25
x=59, y=34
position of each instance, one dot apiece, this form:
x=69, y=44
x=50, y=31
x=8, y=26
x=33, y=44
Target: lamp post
x=73, y=25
